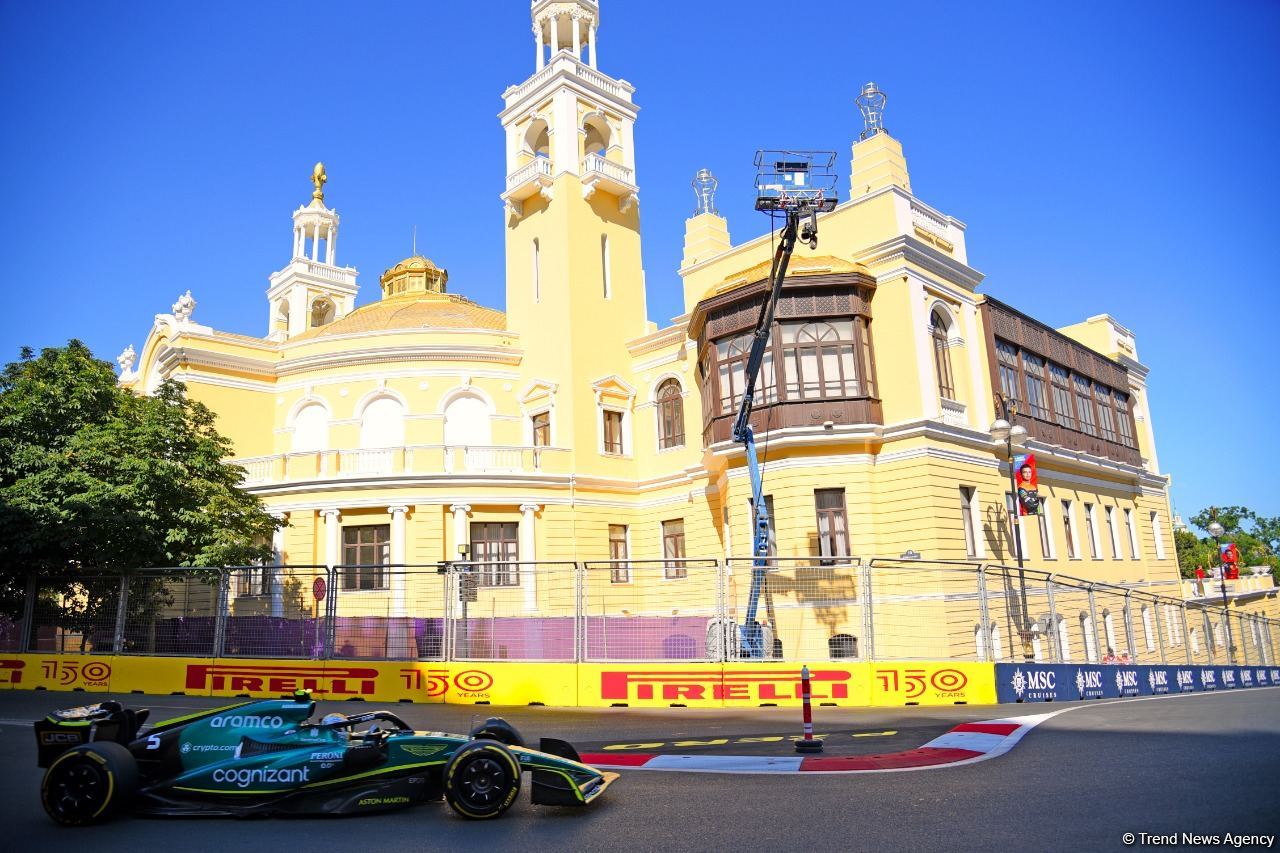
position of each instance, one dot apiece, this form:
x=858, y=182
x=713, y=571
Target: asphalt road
x=1204, y=763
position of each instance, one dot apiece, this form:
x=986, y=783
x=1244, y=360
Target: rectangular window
x=252, y=581
x=1134, y=552
x=612, y=431
x=1122, y=419
x=365, y=550
x=1016, y=527
x=1037, y=395
x=673, y=548
x=966, y=520
x=731, y=368
x=1047, y=546
x=1114, y=529
x=1091, y=530
x=833, y=524
x=1068, y=528
x=1060, y=380
x=1007, y=360
x=1084, y=405
x=618, y=550
x=1157, y=530
x=1106, y=420
x=495, y=545
x=541, y=429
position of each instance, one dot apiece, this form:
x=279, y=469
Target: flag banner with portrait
x=1024, y=471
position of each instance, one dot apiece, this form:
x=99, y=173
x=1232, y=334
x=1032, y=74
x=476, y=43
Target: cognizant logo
x=244, y=777
x=241, y=721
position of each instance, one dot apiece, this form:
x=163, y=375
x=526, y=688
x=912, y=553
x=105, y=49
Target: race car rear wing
x=71, y=727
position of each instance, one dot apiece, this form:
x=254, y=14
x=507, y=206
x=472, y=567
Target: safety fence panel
x=655, y=610
x=513, y=611
x=74, y=614
x=1143, y=629
x=274, y=612
x=923, y=611
x=1073, y=623
x=172, y=612
x=806, y=609
x=1019, y=610
x=1109, y=606
x=387, y=612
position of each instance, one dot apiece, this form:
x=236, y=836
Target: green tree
x=1252, y=533
x=96, y=479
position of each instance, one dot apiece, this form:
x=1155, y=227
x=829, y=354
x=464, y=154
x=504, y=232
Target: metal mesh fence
x=807, y=609
x=655, y=610
x=792, y=609
x=514, y=611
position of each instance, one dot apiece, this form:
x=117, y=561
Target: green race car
x=269, y=757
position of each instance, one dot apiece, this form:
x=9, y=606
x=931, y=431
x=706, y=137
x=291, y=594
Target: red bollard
x=808, y=743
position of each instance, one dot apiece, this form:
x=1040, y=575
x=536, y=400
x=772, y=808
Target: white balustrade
x=537, y=167
x=608, y=168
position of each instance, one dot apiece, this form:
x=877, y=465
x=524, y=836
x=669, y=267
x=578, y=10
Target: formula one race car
x=268, y=757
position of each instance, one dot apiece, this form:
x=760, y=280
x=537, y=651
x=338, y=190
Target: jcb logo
x=60, y=738
x=332, y=680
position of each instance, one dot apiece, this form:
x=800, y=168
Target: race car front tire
x=482, y=780
x=88, y=784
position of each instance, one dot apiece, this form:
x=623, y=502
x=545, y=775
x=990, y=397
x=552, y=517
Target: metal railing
x=808, y=609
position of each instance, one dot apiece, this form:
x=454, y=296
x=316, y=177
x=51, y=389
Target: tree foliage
x=95, y=478
x=1257, y=538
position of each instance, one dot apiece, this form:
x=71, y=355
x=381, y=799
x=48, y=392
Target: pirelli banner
x=1063, y=682
x=694, y=685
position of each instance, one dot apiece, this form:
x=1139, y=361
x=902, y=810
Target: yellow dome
x=414, y=275
x=414, y=311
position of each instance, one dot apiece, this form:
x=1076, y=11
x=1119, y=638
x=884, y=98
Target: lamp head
x=1018, y=435
x=1000, y=430
x=1216, y=530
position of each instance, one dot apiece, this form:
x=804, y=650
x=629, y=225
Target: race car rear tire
x=88, y=784
x=482, y=780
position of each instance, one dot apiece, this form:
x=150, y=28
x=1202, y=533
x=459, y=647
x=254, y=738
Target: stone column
x=554, y=22
x=332, y=536
x=298, y=239
x=577, y=38
x=528, y=577
x=591, y=45
x=537, y=35
x=277, y=558
x=331, y=250
x=315, y=242
x=400, y=643
x=460, y=536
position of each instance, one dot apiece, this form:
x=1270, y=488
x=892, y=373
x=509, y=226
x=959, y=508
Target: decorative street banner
x=1028, y=484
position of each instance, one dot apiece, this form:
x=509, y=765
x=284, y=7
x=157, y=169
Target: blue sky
x=1116, y=157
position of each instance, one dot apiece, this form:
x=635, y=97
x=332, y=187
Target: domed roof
x=412, y=311
x=417, y=262
x=414, y=274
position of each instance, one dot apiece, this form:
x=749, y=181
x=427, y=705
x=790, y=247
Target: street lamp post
x=1216, y=530
x=1014, y=436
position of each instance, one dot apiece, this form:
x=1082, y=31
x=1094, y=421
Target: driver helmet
x=340, y=733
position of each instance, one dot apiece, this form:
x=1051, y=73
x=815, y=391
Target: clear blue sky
x=1117, y=157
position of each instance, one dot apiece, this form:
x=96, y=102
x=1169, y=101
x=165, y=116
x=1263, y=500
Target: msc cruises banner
x=1034, y=682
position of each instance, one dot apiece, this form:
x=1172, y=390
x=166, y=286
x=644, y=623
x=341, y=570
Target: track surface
x=1204, y=763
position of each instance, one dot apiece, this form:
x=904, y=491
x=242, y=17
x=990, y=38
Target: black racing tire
x=482, y=780
x=89, y=784
x=496, y=728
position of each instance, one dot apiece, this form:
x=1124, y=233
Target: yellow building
x=569, y=428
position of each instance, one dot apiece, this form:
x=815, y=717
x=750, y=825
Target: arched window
x=538, y=138
x=1090, y=639
x=819, y=359
x=597, y=135
x=466, y=422
x=997, y=645
x=939, y=327
x=1064, y=639
x=311, y=429
x=1109, y=628
x=670, y=401
x=382, y=423
x=1148, y=629
x=321, y=312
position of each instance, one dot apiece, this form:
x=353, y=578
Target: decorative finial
x=318, y=177
x=184, y=307
x=871, y=103
x=704, y=187
x=127, y=359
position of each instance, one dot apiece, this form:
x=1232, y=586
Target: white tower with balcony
x=575, y=283
x=312, y=290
